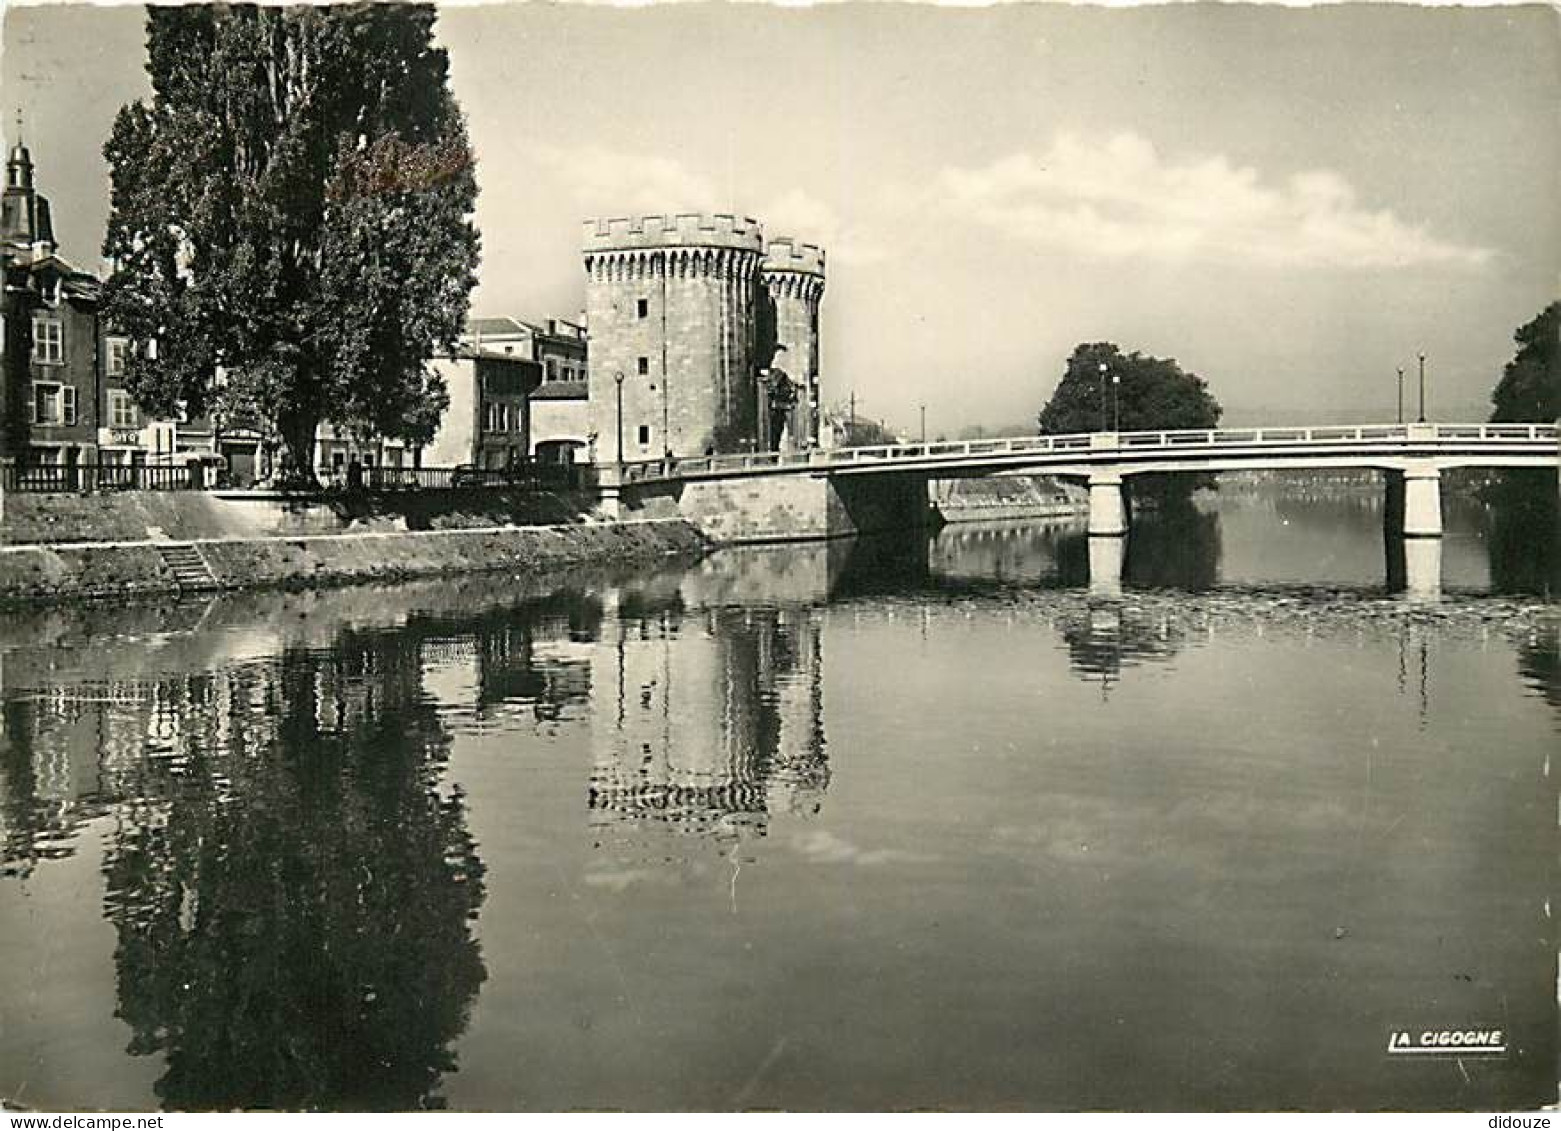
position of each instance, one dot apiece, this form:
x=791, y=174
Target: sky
x=1292, y=202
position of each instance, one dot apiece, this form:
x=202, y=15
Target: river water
x=876, y=824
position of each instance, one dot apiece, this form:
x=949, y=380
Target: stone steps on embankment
x=190, y=571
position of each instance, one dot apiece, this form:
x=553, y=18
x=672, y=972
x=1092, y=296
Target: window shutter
x=68, y=397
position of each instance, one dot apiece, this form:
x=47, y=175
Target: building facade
x=63, y=400
x=488, y=422
x=49, y=400
x=681, y=344
x=560, y=406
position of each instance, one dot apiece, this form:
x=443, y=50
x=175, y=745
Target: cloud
x=823, y=847
x=799, y=214
x=606, y=182
x=1122, y=199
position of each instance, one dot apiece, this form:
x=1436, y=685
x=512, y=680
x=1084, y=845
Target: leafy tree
x=290, y=219
x=1149, y=393
x=1530, y=386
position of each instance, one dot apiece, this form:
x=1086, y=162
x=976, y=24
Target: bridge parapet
x=1135, y=452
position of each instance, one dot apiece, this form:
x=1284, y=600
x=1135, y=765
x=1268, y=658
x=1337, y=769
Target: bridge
x=822, y=493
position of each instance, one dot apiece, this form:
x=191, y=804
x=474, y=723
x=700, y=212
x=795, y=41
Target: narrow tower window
x=642, y=308
x=644, y=366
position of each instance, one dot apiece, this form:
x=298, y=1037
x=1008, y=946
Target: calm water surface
x=859, y=825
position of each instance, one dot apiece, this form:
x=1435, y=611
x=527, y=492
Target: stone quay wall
x=106, y=570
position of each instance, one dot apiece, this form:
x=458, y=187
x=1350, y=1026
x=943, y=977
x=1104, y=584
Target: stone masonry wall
x=773, y=508
x=696, y=277
x=678, y=292
x=792, y=278
x=65, y=573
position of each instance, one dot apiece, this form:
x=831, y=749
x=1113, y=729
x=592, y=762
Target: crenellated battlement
x=681, y=229
x=787, y=254
x=685, y=308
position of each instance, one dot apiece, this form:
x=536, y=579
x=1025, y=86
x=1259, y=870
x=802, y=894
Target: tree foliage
x=1530, y=385
x=290, y=218
x=1148, y=393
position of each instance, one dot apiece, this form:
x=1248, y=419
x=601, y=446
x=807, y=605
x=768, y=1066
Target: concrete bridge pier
x=1422, y=500
x=1107, y=510
x=1412, y=531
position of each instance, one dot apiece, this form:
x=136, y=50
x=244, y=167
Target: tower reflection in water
x=707, y=722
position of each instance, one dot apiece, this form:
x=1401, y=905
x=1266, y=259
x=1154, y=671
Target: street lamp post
x=1400, y=418
x=1116, y=402
x=1422, y=388
x=617, y=379
x=1102, y=396
x=923, y=424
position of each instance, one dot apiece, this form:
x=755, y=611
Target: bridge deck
x=1369, y=445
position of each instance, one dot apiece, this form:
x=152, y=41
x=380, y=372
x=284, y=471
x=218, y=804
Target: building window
x=642, y=308
x=53, y=403
x=48, y=341
x=552, y=369
x=497, y=417
x=118, y=352
x=644, y=366
x=644, y=435
x=122, y=410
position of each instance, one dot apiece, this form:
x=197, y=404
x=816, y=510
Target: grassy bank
x=130, y=516
x=61, y=572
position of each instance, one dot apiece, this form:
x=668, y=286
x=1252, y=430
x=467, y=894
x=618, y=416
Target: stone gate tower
x=671, y=304
x=793, y=278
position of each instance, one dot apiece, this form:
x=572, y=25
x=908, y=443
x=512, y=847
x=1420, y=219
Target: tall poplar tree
x=291, y=219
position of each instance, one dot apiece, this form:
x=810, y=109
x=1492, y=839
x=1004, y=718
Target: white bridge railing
x=1095, y=445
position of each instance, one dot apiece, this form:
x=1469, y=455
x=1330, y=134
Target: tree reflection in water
x=1175, y=547
x=1106, y=637
x=1525, y=533
x=1539, y=662
x=293, y=894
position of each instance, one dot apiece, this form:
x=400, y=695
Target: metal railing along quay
x=90, y=478
x=85, y=478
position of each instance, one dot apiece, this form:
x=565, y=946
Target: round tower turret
x=670, y=304
x=793, y=278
